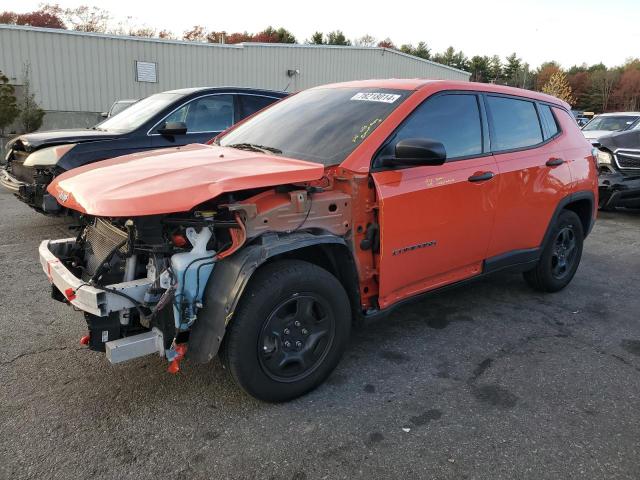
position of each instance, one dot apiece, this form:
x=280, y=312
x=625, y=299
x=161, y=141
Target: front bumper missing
x=86, y=297
x=100, y=302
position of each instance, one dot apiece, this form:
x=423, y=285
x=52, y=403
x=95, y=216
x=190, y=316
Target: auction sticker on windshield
x=376, y=97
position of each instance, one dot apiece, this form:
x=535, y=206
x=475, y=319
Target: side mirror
x=104, y=114
x=173, y=128
x=412, y=152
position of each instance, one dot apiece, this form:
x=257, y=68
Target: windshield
x=321, y=125
x=138, y=113
x=611, y=124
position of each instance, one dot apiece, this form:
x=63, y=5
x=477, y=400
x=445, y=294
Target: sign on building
x=146, y=72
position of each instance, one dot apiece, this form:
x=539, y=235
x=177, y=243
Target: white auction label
x=376, y=97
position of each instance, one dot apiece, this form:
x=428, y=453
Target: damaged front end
x=141, y=281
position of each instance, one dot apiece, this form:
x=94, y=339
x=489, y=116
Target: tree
x=544, y=73
x=512, y=70
x=271, y=35
x=142, y=32
x=285, y=36
x=386, y=43
x=216, y=37
x=31, y=114
x=627, y=93
x=317, y=39
x=446, y=57
x=238, y=37
x=421, y=50
x=8, y=106
x=452, y=58
x=495, y=69
x=85, y=19
x=480, y=68
x=44, y=17
x=8, y=18
x=559, y=87
x=337, y=38
x=365, y=41
x=602, y=83
x=580, y=82
x=166, y=34
x=196, y=34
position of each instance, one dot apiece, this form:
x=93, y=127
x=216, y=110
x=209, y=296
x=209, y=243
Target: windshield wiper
x=255, y=148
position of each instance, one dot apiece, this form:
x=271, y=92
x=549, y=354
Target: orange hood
x=173, y=180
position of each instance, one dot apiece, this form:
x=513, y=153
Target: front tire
x=289, y=331
x=560, y=256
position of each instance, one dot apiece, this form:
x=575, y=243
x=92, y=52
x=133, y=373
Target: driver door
x=436, y=221
x=205, y=117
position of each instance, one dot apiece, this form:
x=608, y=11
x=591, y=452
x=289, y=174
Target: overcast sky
x=568, y=31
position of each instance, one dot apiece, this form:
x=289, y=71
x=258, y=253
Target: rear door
x=204, y=116
x=534, y=173
x=436, y=221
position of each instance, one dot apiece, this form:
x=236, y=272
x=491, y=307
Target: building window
x=146, y=72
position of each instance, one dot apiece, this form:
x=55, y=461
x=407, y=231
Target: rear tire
x=289, y=331
x=561, y=255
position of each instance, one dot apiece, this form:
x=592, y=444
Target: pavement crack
x=38, y=352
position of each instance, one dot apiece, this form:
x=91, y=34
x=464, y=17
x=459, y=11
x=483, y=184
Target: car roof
x=419, y=83
x=190, y=91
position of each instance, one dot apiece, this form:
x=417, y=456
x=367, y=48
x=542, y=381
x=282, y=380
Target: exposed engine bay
x=141, y=281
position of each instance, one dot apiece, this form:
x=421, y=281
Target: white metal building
x=77, y=75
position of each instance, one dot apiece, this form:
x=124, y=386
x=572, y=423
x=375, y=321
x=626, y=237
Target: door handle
x=554, y=162
x=481, y=177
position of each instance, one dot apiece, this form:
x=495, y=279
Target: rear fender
x=229, y=280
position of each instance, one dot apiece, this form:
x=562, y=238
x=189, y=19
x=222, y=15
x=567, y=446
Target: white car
x=607, y=123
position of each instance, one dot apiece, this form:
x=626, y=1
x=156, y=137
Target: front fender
x=229, y=280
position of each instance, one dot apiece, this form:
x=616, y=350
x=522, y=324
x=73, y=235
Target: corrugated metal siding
x=73, y=71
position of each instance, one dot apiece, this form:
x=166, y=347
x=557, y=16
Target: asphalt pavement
x=488, y=381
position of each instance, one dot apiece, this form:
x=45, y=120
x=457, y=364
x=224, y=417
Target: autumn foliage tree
x=38, y=18
x=559, y=87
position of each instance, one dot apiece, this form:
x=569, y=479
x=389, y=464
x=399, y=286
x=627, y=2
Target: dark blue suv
x=168, y=119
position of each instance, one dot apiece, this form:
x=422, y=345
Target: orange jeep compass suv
x=333, y=205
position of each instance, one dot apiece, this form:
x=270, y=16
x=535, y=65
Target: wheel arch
x=583, y=204
x=231, y=276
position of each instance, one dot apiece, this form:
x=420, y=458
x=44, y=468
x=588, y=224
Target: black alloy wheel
x=296, y=337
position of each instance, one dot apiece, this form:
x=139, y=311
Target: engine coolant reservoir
x=192, y=270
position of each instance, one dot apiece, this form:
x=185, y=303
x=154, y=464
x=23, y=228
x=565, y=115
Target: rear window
x=549, y=125
x=515, y=123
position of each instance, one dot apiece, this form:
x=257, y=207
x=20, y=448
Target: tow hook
x=175, y=354
x=84, y=340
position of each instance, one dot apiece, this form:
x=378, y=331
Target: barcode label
x=376, y=97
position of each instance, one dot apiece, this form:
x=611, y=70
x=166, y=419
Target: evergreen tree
x=317, y=38
x=337, y=38
x=8, y=106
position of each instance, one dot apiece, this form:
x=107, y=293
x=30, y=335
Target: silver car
x=607, y=123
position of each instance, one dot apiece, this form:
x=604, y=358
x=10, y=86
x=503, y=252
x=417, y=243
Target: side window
x=205, y=114
x=452, y=119
x=549, y=124
x=515, y=123
x=254, y=103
